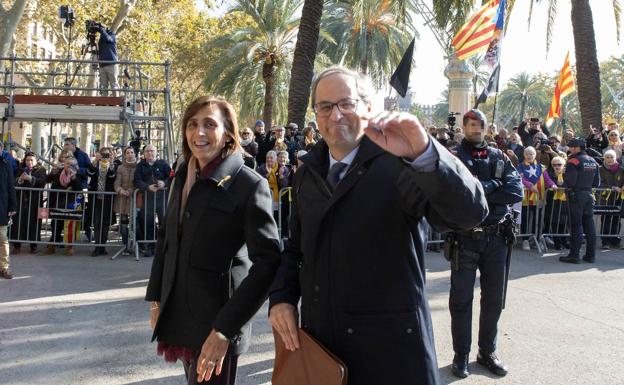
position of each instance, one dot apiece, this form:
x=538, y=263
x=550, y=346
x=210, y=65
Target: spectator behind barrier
x=26, y=225
x=70, y=145
x=269, y=171
x=68, y=178
x=556, y=211
x=124, y=187
x=250, y=148
x=11, y=161
x=102, y=171
x=612, y=179
x=535, y=180
x=308, y=141
x=615, y=145
x=151, y=178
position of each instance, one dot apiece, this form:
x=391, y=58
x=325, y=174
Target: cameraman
x=107, y=52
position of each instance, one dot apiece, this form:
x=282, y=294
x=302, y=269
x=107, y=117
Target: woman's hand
x=211, y=357
x=154, y=313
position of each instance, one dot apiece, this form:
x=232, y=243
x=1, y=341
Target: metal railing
x=143, y=86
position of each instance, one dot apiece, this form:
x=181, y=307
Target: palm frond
x=550, y=23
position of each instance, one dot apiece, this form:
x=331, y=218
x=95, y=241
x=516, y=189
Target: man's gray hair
x=362, y=83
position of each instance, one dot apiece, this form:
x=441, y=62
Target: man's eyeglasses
x=345, y=106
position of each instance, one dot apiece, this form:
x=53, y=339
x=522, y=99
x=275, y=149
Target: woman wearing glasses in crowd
x=124, y=187
x=26, y=224
x=556, y=211
x=612, y=180
x=217, y=252
x=615, y=144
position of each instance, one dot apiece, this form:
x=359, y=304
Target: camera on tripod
x=92, y=28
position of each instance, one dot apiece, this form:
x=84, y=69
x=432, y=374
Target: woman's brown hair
x=229, y=122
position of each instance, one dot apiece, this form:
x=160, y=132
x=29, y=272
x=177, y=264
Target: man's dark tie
x=333, y=176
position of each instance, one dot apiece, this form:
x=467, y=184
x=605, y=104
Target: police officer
x=581, y=175
x=486, y=247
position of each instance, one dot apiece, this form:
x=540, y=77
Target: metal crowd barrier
x=608, y=213
x=148, y=210
x=61, y=218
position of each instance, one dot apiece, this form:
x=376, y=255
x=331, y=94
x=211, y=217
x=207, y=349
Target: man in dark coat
x=70, y=144
x=356, y=253
x=151, y=178
x=8, y=206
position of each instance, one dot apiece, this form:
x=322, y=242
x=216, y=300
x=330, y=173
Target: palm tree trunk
x=268, y=71
x=303, y=61
x=587, y=69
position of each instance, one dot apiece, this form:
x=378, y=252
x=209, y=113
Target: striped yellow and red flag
x=564, y=86
x=477, y=33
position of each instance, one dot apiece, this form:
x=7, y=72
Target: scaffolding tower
x=66, y=91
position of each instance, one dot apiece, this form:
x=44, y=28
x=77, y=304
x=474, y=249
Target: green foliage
x=368, y=35
x=268, y=38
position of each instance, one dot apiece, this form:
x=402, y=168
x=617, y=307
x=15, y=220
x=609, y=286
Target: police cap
x=577, y=142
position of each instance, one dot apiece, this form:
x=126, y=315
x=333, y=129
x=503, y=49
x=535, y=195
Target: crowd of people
x=98, y=190
x=541, y=158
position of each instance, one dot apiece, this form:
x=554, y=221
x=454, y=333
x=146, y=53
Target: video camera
x=92, y=28
x=544, y=144
x=136, y=141
x=451, y=120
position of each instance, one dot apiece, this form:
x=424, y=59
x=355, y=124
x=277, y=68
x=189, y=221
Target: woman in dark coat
x=102, y=173
x=217, y=252
x=26, y=225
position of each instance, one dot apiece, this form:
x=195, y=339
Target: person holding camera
x=107, y=54
x=27, y=226
x=528, y=136
x=102, y=171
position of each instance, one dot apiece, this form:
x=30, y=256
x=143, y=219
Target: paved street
x=82, y=320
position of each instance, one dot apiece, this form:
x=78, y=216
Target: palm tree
x=525, y=95
x=303, y=61
x=256, y=59
x=611, y=75
x=368, y=35
x=588, y=72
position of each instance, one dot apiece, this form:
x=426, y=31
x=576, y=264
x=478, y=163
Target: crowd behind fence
x=61, y=218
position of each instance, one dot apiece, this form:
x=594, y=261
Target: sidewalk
x=82, y=320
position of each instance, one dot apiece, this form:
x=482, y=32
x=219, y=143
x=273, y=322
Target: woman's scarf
x=65, y=178
x=193, y=172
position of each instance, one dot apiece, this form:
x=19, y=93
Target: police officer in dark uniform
x=581, y=175
x=486, y=247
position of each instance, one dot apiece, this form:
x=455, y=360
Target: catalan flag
x=475, y=36
x=564, y=86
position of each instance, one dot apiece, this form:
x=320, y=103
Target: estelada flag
x=477, y=33
x=564, y=86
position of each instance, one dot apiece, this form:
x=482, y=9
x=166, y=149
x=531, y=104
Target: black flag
x=492, y=86
x=400, y=78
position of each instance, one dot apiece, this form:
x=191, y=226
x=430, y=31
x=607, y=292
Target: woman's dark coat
x=356, y=258
x=214, y=269
x=26, y=226
x=8, y=200
x=100, y=206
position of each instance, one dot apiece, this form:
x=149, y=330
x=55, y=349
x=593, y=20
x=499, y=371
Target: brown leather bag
x=311, y=364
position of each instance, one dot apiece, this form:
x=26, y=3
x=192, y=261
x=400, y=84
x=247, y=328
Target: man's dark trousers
x=490, y=261
x=582, y=221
